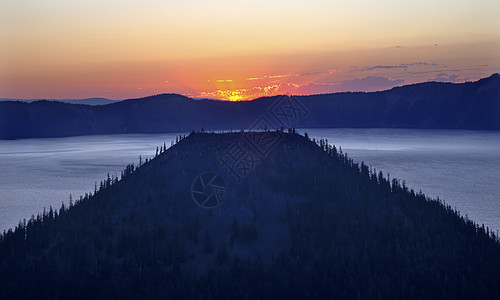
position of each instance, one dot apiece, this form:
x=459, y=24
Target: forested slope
x=304, y=220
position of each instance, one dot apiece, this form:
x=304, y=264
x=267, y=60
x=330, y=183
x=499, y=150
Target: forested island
x=430, y=105
x=294, y=217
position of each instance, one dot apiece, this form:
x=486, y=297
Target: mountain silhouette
x=471, y=105
x=298, y=219
x=87, y=101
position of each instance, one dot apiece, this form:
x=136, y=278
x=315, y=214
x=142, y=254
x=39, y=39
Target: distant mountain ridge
x=471, y=105
x=87, y=101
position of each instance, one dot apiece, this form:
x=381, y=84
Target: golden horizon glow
x=240, y=50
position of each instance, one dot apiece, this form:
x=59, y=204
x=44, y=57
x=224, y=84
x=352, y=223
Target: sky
x=240, y=50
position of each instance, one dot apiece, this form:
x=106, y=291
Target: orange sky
x=240, y=50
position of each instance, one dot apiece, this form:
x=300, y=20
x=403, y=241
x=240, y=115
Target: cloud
x=317, y=88
x=400, y=66
x=252, y=93
x=277, y=76
x=269, y=77
x=299, y=78
x=432, y=71
x=421, y=64
x=370, y=83
x=311, y=73
x=384, y=67
x=366, y=84
x=443, y=77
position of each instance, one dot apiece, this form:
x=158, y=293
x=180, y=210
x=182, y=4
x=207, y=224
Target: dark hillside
x=303, y=221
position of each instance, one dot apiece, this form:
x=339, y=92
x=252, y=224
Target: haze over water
x=461, y=167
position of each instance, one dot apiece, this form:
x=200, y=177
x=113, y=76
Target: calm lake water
x=461, y=167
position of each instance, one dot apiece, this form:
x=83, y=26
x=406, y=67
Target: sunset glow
x=238, y=50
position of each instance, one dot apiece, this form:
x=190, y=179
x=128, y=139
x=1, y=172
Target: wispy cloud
x=384, y=67
x=366, y=78
x=369, y=83
x=444, y=77
x=421, y=64
x=252, y=93
x=400, y=66
x=269, y=77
